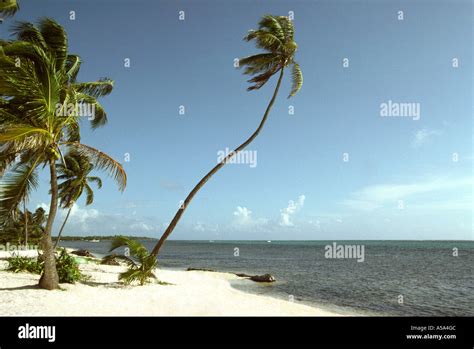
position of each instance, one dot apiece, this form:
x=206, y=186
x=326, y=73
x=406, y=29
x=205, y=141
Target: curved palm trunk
x=62, y=227
x=50, y=280
x=26, y=224
x=221, y=164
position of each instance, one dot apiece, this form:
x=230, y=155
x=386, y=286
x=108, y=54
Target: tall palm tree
x=37, y=85
x=74, y=173
x=275, y=37
x=8, y=7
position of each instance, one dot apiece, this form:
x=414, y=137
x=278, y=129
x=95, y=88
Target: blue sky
x=400, y=180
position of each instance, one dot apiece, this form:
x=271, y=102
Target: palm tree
x=275, y=37
x=35, y=222
x=8, y=7
x=37, y=87
x=141, y=271
x=75, y=175
x=38, y=222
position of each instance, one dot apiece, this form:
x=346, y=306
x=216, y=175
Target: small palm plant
x=139, y=261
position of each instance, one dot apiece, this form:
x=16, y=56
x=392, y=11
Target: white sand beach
x=192, y=293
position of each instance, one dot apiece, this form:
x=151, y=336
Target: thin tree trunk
x=216, y=168
x=50, y=280
x=26, y=223
x=61, y=230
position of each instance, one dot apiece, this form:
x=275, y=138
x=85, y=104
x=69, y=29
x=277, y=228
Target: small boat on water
x=94, y=240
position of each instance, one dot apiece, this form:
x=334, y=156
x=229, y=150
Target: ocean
x=395, y=278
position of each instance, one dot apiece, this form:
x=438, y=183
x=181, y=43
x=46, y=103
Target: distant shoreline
x=110, y=237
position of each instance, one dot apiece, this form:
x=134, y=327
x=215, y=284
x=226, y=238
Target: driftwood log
x=256, y=278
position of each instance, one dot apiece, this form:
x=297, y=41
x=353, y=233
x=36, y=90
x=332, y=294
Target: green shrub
x=31, y=265
x=68, y=269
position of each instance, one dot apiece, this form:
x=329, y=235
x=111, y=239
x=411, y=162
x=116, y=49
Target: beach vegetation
x=141, y=264
x=24, y=227
x=68, y=269
x=36, y=73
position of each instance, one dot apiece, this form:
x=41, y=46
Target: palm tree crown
x=74, y=173
x=37, y=87
x=275, y=36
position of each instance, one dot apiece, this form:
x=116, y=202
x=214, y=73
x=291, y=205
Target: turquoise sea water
x=418, y=278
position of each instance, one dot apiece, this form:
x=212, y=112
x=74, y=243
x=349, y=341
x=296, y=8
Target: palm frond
x=73, y=65
x=130, y=262
x=137, y=250
x=273, y=25
x=90, y=195
x=9, y=7
x=25, y=49
x=11, y=133
x=136, y=274
x=95, y=89
x=259, y=63
x=25, y=31
x=287, y=27
x=101, y=161
x=96, y=180
x=17, y=186
x=56, y=38
x=296, y=78
x=100, y=117
x=261, y=79
x=265, y=40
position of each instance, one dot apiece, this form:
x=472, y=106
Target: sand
x=192, y=293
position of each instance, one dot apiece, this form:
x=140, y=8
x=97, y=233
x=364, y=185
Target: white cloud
x=141, y=226
x=315, y=223
x=287, y=212
x=90, y=221
x=377, y=196
x=243, y=215
x=423, y=136
x=81, y=215
x=202, y=227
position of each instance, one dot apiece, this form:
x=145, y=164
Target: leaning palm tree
x=8, y=7
x=141, y=263
x=275, y=37
x=38, y=86
x=74, y=173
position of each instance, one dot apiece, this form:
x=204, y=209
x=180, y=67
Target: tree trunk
x=50, y=280
x=216, y=168
x=62, y=227
x=26, y=223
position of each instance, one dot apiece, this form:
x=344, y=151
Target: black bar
x=315, y=332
